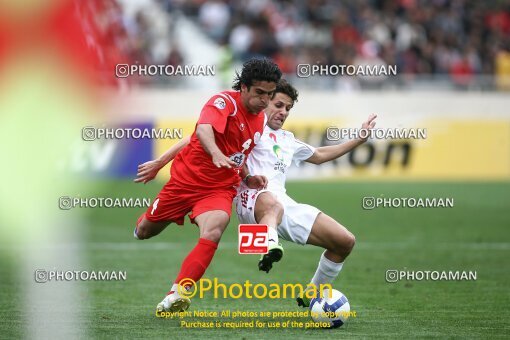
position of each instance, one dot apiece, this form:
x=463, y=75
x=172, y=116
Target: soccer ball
x=332, y=309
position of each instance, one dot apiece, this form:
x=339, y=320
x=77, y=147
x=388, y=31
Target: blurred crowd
x=117, y=35
x=458, y=40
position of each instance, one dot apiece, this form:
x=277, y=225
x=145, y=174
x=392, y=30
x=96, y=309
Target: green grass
x=11, y=316
x=473, y=235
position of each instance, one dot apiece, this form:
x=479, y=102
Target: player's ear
x=244, y=88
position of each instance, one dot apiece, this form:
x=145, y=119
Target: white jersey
x=274, y=154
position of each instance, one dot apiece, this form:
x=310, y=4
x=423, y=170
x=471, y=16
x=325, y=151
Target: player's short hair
x=260, y=69
x=284, y=87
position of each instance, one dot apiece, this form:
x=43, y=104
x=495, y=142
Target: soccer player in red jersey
x=205, y=173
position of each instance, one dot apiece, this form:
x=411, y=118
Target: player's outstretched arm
x=148, y=170
x=328, y=153
x=205, y=135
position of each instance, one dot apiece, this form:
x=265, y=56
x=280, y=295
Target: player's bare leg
x=332, y=236
x=338, y=242
x=212, y=224
x=146, y=229
x=269, y=211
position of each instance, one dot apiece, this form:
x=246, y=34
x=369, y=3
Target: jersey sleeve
x=302, y=151
x=216, y=112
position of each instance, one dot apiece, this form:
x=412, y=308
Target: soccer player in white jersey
x=298, y=223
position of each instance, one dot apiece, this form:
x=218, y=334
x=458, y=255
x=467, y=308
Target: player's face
x=258, y=96
x=278, y=110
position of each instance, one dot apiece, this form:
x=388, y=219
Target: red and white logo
x=273, y=137
x=256, y=137
x=220, y=103
x=253, y=239
x=238, y=158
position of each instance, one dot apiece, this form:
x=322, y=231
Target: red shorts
x=173, y=203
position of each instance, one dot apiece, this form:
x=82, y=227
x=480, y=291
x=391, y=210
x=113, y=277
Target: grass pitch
x=471, y=236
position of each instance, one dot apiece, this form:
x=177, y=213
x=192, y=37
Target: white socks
x=327, y=271
x=175, y=288
x=272, y=235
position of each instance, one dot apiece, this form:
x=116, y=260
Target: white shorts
x=297, y=220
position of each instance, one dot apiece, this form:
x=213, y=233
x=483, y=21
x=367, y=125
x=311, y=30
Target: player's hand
x=148, y=171
x=368, y=125
x=257, y=182
x=220, y=160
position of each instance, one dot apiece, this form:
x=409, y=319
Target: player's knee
x=345, y=244
x=142, y=233
x=269, y=206
x=351, y=241
x=213, y=234
x=277, y=210
x=215, y=228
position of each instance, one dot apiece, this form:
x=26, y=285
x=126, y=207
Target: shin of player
x=338, y=242
x=269, y=211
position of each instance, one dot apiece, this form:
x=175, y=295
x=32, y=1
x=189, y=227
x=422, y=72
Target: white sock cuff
x=272, y=234
x=329, y=267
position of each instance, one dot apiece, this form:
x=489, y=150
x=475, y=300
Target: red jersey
x=235, y=131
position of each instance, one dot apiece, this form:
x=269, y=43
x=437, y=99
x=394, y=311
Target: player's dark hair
x=284, y=87
x=260, y=69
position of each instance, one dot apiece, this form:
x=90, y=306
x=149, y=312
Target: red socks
x=197, y=261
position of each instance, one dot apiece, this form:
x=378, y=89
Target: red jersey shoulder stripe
x=227, y=96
